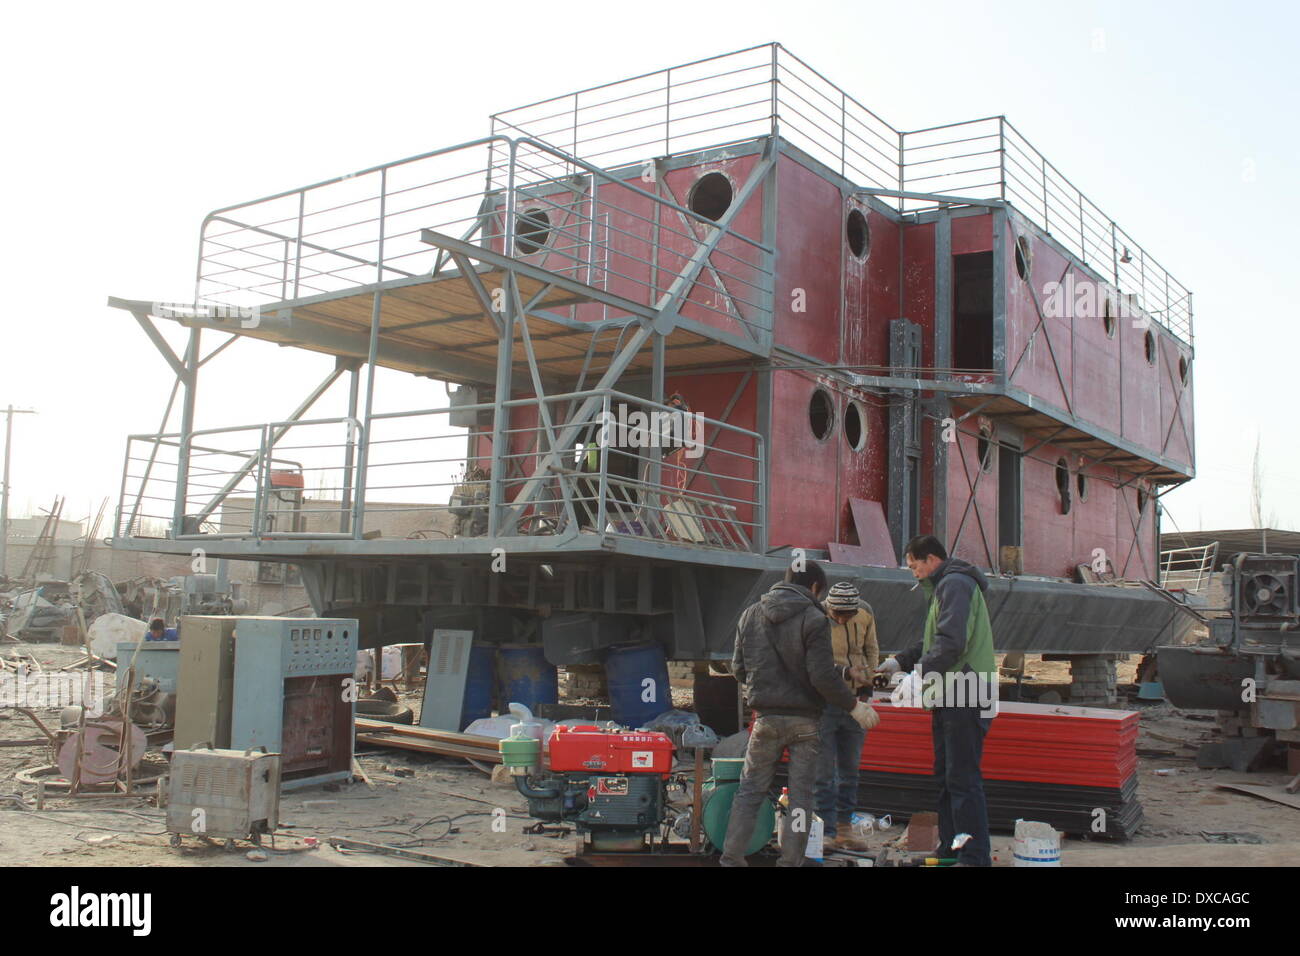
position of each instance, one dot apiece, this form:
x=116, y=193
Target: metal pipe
x=191, y=379
x=354, y=386
x=504, y=370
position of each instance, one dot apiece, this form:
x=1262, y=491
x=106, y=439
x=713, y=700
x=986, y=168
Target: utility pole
x=10, y=412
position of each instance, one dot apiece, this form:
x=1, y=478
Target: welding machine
x=611, y=784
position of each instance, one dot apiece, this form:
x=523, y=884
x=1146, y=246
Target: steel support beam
x=190, y=376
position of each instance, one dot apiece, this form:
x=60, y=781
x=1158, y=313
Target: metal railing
x=578, y=160
x=989, y=159
x=522, y=199
x=717, y=101
x=272, y=480
x=344, y=232
x=665, y=477
x=1188, y=569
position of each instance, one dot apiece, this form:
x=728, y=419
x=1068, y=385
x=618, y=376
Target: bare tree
x=1257, y=493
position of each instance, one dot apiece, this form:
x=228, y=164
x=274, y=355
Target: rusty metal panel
x=307, y=741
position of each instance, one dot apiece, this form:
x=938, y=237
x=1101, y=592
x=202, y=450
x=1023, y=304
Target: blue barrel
x=478, y=684
x=526, y=676
x=638, y=683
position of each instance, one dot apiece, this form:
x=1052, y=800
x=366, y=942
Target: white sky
x=126, y=123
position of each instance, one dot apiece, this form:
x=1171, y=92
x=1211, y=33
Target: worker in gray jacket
x=784, y=664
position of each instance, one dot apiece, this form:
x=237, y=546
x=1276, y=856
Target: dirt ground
x=444, y=807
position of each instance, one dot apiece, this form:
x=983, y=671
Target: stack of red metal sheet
x=1032, y=743
x=1072, y=767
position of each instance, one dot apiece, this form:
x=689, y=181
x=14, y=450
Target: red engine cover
x=592, y=749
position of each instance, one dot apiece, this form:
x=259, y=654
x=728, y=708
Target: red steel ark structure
x=690, y=322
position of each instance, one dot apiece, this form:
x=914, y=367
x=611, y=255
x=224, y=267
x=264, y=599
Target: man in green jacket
x=959, y=686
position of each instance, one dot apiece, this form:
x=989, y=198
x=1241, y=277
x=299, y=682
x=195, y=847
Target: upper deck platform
x=574, y=174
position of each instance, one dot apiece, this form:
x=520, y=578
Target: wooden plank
x=368, y=725
x=398, y=742
x=1276, y=794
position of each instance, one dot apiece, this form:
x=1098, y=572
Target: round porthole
x=821, y=414
x=1063, y=484
x=1149, y=347
x=1183, y=368
x=532, y=229
x=1108, y=317
x=711, y=196
x=1022, y=257
x=1081, y=482
x=858, y=234
x=855, y=426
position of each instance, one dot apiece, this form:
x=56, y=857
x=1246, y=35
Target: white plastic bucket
x=816, y=839
x=816, y=849
x=1037, y=844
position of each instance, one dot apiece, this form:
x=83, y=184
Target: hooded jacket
x=783, y=656
x=854, y=644
x=958, y=636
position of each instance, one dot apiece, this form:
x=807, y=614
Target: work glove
x=863, y=713
x=887, y=669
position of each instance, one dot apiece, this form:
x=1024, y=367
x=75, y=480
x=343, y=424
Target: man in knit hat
x=853, y=643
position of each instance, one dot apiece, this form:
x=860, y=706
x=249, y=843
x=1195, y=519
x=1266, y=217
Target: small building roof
x=1234, y=542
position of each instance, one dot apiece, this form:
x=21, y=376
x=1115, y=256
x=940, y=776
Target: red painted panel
x=728, y=295
x=1103, y=518
x=1140, y=386
x=1038, y=344
x=972, y=234
x=972, y=499
x=871, y=296
x=730, y=454
x=1175, y=375
x=805, y=500
x=810, y=241
x=1070, y=361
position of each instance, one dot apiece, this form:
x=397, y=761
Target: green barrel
x=719, y=792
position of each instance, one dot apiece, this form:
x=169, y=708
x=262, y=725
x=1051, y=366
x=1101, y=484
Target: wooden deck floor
x=444, y=314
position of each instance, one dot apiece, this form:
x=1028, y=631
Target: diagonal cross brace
x=160, y=343
x=665, y=309
x=686, y=278
x=586, y=410
x=243, y=470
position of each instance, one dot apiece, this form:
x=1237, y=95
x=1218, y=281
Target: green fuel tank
x=719, y=792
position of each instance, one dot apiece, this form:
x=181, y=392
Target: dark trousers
x=837, y=770
x=769, y=736
x=958, y=734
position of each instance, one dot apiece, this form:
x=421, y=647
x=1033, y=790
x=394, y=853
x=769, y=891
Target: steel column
x=354, y=388
x=377, y=305
x=190, y=375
